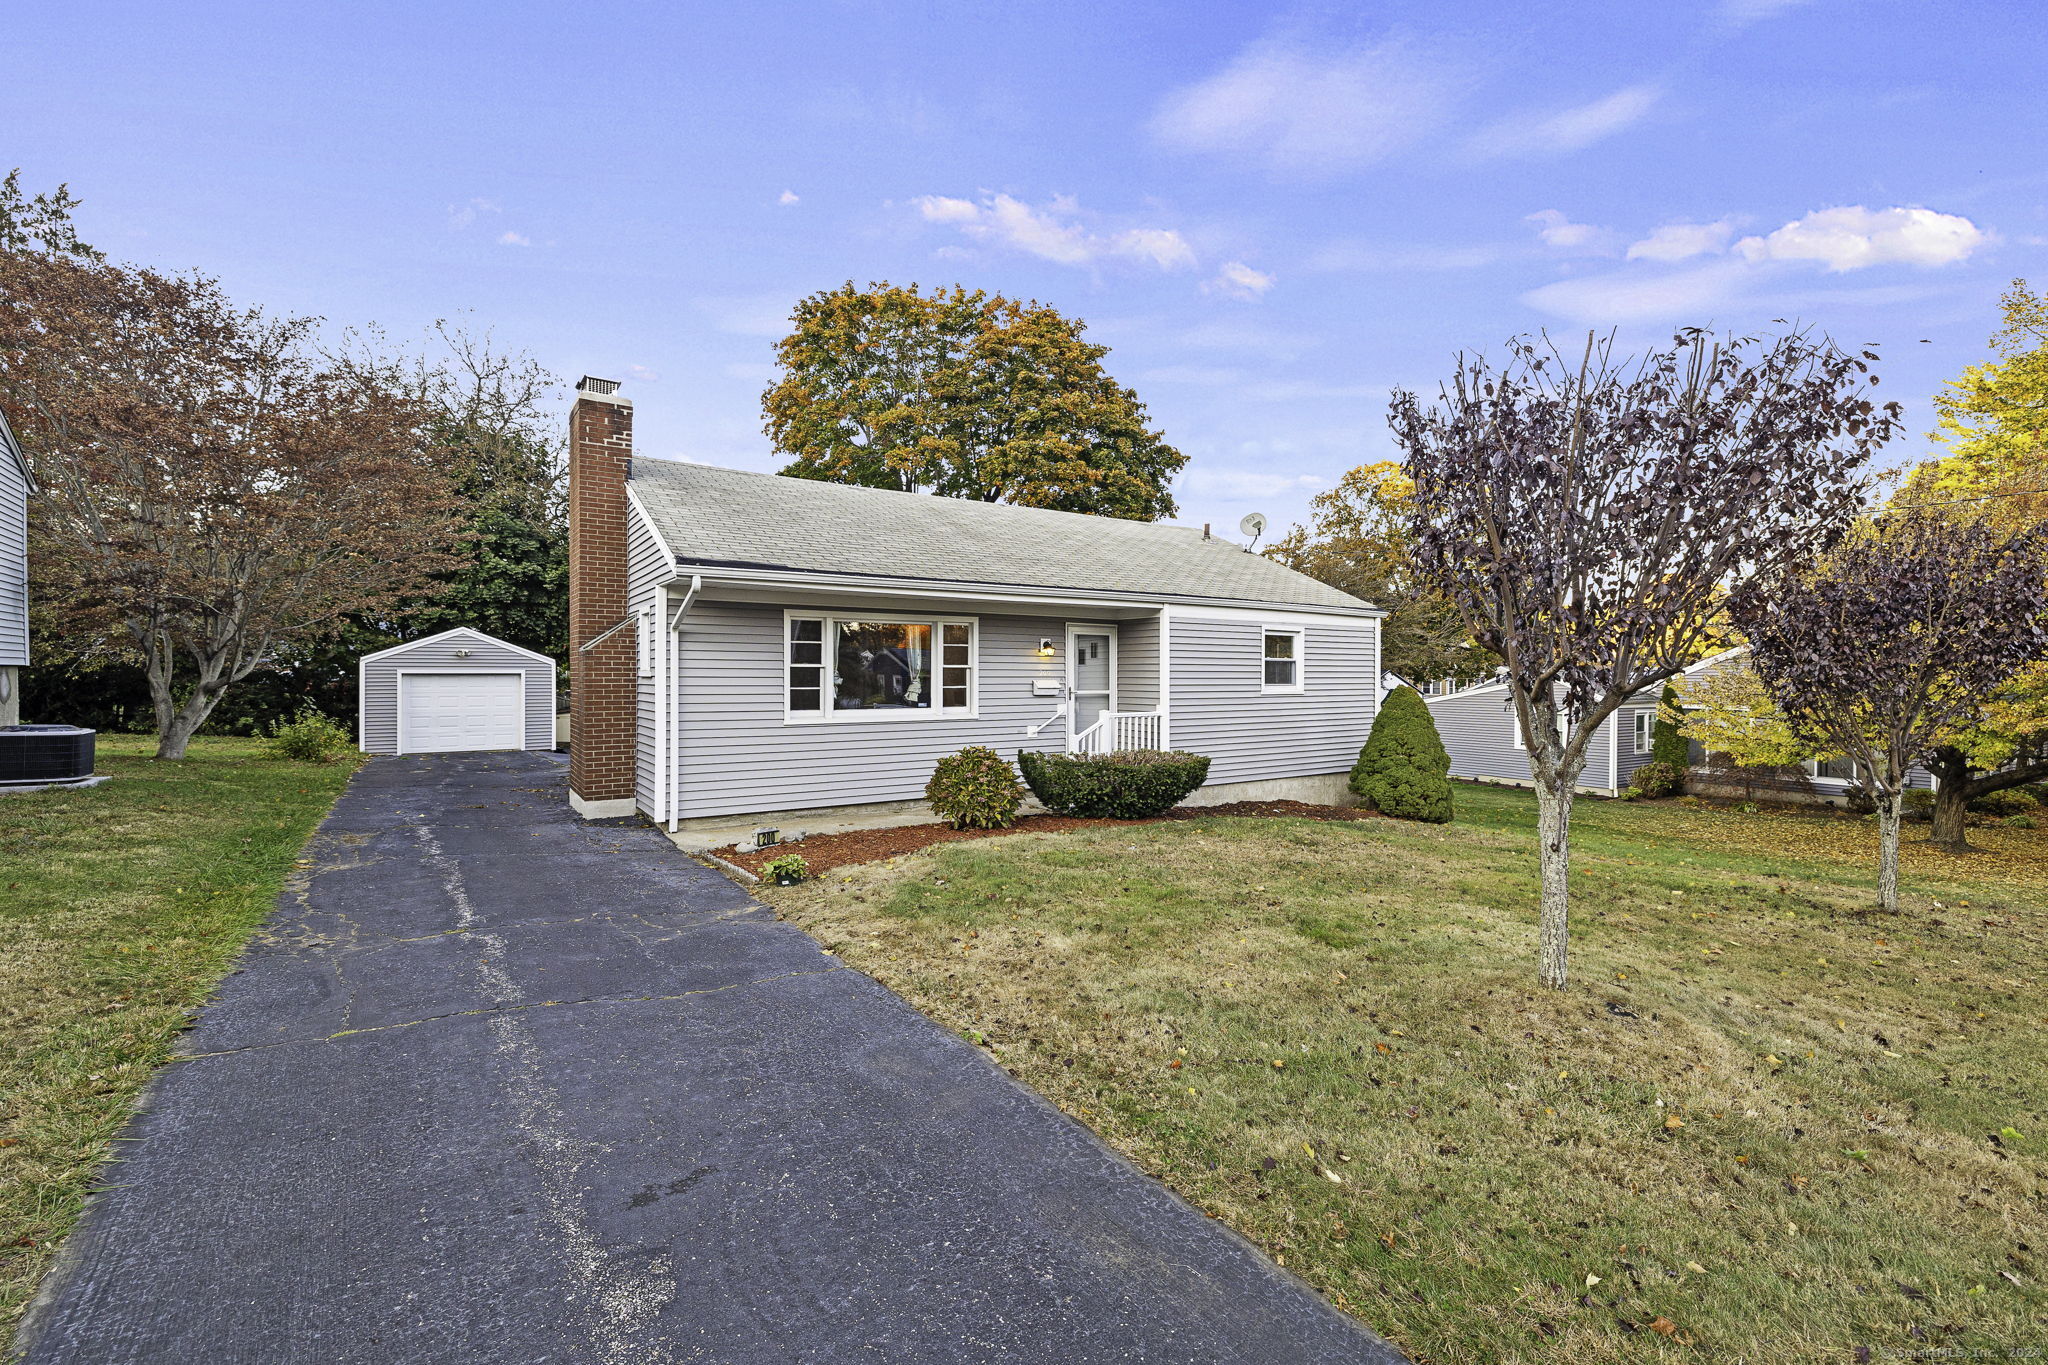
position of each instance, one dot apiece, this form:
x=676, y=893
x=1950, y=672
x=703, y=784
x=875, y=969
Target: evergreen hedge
x=1403, y=770
x=1133, y=785
x=1667, y=743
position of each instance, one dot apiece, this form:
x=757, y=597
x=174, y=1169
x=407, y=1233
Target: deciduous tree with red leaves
x=1588, y=513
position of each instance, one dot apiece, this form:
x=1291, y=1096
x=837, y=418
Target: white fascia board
x=458, y=630
x=638, y=511
x=1004, y=592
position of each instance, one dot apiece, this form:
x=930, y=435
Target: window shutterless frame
x=809, y=658
x=1283, y=667
x=1646, y=731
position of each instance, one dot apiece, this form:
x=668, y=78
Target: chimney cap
x=591, y=384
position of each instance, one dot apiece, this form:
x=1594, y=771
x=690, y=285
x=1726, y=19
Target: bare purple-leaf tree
x=1588, y=516
x=1900, y=634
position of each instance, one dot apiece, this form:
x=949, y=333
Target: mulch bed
x=826, y=851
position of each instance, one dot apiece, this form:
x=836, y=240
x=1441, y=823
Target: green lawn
x=1762, y=1125
x=122, y=906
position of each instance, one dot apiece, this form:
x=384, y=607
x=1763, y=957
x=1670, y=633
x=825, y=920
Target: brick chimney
x=603, y=678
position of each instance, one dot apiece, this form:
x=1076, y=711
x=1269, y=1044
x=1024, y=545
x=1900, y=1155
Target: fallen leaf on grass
x=1664, y=1326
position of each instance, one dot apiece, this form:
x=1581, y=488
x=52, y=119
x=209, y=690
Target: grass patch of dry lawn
x=1761, y=1126
x=121, y=907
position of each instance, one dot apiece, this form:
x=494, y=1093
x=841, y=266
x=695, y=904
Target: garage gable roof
x=736, y=518
x=470, y=631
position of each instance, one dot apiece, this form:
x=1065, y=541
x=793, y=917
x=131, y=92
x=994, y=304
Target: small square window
x=1283, y=661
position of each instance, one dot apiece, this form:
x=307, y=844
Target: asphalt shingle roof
x=737, y=518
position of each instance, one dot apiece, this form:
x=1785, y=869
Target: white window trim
x=646, y=638
x=1300, y=683
x=1644, y=734
x=828, y=714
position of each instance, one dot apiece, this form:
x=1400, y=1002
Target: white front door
x=1091, y=675
x=449, y=713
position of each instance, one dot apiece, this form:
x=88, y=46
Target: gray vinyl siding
x=13, y=563
x=1218, y=706
x=378, y=705
x=646, y=566
x=1137, y=665
x=1479, y=733
x=736, y=753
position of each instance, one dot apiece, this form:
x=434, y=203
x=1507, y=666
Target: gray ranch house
x=16, y=483
x=749, y=649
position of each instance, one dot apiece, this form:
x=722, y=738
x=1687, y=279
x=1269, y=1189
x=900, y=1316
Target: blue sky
x=1272, y=214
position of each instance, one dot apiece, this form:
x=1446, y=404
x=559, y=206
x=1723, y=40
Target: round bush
x=975, y=789
x=310, y=737
x=1656, y=779
x=1403, y=769
x=2011, y=801
x=1134, y=785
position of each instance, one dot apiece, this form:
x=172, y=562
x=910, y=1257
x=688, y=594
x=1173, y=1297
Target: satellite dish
x=1253, y=525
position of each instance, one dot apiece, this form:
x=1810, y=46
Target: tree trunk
x=1888, y=852
x=176, y=723
x=1554, y=857
x=1956, y=788
x=1950, y=829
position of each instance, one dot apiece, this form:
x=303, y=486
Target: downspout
x=672, y=652
x=1614, y=753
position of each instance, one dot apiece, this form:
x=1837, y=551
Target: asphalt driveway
x=495, y=1085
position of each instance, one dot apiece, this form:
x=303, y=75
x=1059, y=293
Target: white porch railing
x=1118, y=730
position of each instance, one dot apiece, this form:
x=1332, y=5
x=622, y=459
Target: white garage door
x=441, y=713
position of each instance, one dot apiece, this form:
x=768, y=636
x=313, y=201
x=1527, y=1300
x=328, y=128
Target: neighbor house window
x=1646, y=731
x=850, y=667
x=1283, y=661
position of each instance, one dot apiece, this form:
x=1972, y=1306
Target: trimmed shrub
x=1403, y=770
x=1136, y=784
x=1655, y=779
x=1668, y=745
x=1917, y=805
x=2011, y=801
x=310, y=737
x=975, y=789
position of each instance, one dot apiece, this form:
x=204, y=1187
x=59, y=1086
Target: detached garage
x=461, y=691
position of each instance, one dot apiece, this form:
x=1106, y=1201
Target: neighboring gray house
x=1484, y=740
x=751, y=649
x=16, y=483
x=460, y=691
x=1485, y=743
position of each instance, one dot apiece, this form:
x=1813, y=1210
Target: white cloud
x=1750, y=11
x=749, y=315
x=1683, y=241
x=641, y=372
x=509, y=238
x=788, y=197
x=1632, y=296
x=1301, y=110
x=1851, y=238
x=1239, y=281
x=1559, y=231
x=1357, y=255
x=1241, y=485
x=1053, y=233
x=1568, y=130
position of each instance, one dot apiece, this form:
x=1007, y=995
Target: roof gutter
x=769, y=577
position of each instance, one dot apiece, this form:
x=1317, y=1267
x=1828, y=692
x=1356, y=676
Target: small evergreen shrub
x=2011, y=801
x=975, y=789
x=1668, y=745
x=1655, y=779
x=1136, y=784
x=1403, y=770
x=309, y=737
